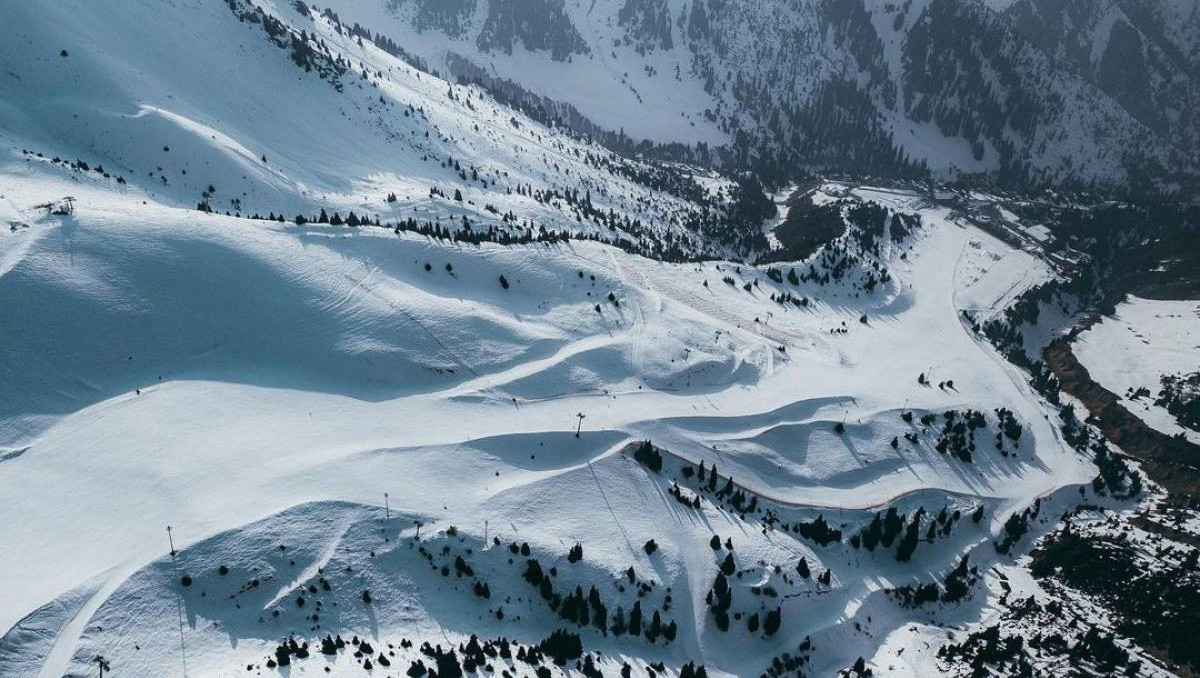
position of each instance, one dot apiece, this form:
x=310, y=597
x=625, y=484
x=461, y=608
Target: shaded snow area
x=1143, y=341
x=260, y=387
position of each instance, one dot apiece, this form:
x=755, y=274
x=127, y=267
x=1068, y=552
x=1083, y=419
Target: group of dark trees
x=1005, y=332
x=1155, y=606
x=1017, y=526
x=1150, y=248
x=649, y=456
x=816, y=530
x=78, y=165
x=956, y=585
x=1180, y=395
x=1009, y=427
x=720, y=601
x=1114, y=476
x=790, y=663
x=957, y=437
x=845, y=237
x=997, y=650
x=723, y=492
x=590, y=610
x=907, y=531
x=957, y=434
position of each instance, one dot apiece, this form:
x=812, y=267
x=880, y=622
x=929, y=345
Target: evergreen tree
x=635, y=619
x=908, y=543
x=772, y=622
x=728, y=566
x=618, y=627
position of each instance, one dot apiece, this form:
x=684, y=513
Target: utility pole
x=179, y=607
x=579, y=425
x=418, y=529
x=386, y=507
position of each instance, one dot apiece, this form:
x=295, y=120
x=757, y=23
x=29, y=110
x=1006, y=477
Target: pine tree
x=728, y=566
x=908, y=543
x=772, y=622
x=618, y=627
x=655, y=629
x=892, y=524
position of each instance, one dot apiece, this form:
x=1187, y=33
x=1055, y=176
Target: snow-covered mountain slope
x=393, y=363
x=318, y=117
x=961, y=88
x=1144, y=54
x=260, y=386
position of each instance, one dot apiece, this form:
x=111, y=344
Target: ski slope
x=257, y=383
x=248, y=382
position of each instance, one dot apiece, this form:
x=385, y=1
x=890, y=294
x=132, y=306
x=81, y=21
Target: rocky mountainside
x=1091, y=93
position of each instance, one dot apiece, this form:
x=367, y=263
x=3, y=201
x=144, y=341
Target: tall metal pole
x=179, y=606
